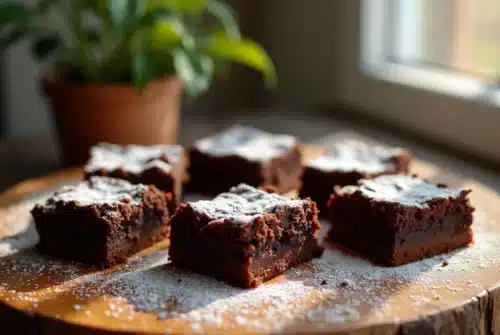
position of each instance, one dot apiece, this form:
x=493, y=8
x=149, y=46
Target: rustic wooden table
x=423, y=299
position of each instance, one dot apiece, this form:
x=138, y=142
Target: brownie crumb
x=323, y=282
x=445, y=262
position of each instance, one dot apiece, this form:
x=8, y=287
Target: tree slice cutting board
x=455, y=293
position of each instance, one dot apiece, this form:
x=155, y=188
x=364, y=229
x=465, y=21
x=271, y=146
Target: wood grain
x=467, y=304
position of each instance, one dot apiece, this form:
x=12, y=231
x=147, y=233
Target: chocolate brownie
x=398, y=219
x=160, y=165
x=245, y=155
x=102, y=221
x=245, y=236
x=345, y=164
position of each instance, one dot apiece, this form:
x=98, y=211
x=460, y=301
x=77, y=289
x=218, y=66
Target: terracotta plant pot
x=117, y=113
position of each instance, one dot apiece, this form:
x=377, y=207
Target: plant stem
x=73, y=23
x=81, y=43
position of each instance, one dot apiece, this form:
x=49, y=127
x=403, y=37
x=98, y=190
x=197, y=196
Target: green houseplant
x=119, y=66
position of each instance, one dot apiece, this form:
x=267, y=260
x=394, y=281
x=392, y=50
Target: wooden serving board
x=337, y=294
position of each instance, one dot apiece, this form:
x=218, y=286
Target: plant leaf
x=118, y=11
x=44, y=5
x=189, y=6
x=142, y=70
x=167, y=33
x=245, y=52
x=124, y=13
x=99, y=8
x=195, y=70
x=226, y=16
x=45, y=45
x=93, y=35
x=14, y=13
x=94, y=5
x=156, y=15
x=12, y=37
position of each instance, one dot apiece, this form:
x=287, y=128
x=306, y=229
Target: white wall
x=307, y=41
x=26, y=110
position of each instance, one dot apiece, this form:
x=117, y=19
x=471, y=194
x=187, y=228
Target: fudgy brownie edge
x=243, y=243
x=99, y=232
x=413, y=223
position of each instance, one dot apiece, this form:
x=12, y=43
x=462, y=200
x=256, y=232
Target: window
x=448, y=46
x=428, y=66
x=460, y=35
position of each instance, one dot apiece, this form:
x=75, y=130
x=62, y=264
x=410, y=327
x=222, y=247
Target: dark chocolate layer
x=244, y=237
x=431, y=219
x=99, y=232
x=245, y=155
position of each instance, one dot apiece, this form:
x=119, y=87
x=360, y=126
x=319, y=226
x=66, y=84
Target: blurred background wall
x=306, y=41
x=449, y=72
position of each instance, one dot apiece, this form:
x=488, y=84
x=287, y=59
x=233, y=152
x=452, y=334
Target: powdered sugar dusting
x=243, y=203
x=300, y=295
x=335, y=289
x=247, y=142
x=17, y=230
x=354, y=155
x=98, y=190
x=407, y=190
x=132, y=158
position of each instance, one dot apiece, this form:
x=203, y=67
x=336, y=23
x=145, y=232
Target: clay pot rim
x=88, y=114
x=53, y=82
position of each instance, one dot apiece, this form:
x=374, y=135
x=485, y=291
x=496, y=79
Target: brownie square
x=102, y=221
x=398, y=219
x=345, y=164
x=245, y=155
x=160, y=165
x=245, y=236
